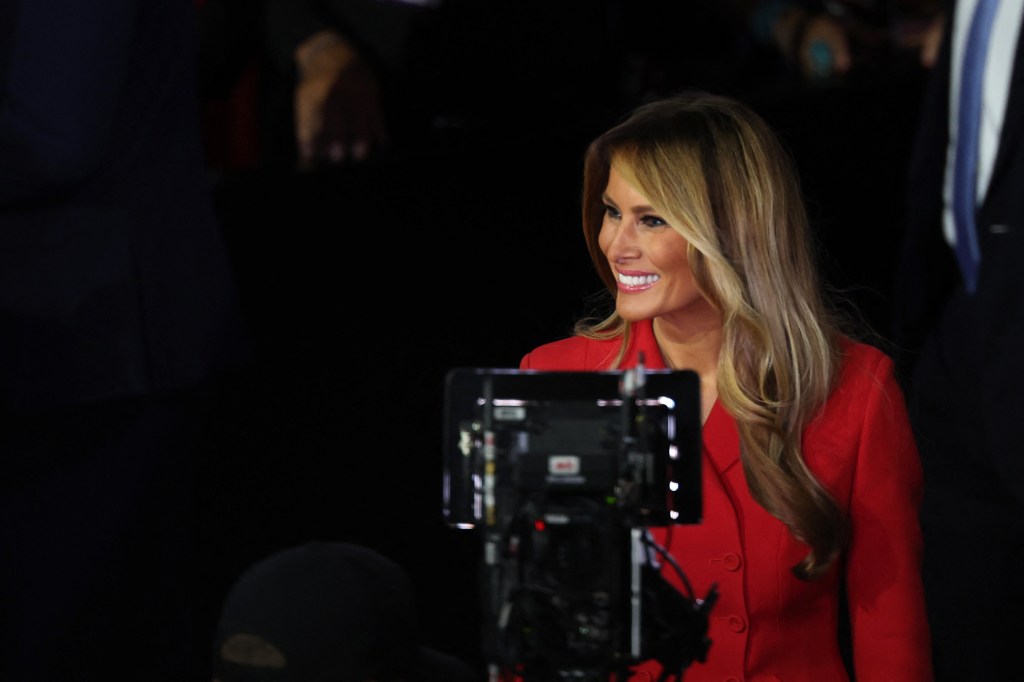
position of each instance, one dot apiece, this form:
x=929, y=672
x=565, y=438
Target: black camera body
x=563, y=472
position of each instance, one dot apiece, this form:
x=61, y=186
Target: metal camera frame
x=563, y=472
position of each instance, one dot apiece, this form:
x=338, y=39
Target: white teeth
x=638, y=281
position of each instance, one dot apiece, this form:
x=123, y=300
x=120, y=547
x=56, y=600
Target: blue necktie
x=968, y=124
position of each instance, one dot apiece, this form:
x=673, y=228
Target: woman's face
x=647, y=257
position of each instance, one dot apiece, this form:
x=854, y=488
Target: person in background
x=347, y=58
x=117, y=311
x=826, y=40
x=960, y=349
x=313, y=84
x=694, y=220
x=326, y=612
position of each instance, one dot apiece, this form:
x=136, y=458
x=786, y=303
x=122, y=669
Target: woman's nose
x=620, y=241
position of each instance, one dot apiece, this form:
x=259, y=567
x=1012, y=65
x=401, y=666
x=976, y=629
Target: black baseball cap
x=326, y=612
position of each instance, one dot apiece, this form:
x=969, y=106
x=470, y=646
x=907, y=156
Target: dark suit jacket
x=114, y=280
x=986, y=330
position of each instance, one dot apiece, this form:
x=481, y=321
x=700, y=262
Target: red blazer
x=767, y=624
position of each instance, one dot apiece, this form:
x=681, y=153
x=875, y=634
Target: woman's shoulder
x=861, y=357
x=865, y=398
x=571, y=354
x=866, y=371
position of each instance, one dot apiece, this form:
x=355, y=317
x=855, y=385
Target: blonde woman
x=694, y=219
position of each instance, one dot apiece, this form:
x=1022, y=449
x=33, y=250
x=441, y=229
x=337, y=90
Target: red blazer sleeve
x=890, y=632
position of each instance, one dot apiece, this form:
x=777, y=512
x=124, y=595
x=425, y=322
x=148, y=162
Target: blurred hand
x=922, y=35
x=338, y=112
x=824, y=48
x=931, y=40
x=816, y=44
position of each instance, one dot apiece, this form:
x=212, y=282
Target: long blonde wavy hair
x=720, y=176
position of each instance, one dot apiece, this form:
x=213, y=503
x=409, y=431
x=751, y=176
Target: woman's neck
x=693, y=345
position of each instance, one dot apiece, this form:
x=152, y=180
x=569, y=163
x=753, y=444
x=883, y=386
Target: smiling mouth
x=638, y=281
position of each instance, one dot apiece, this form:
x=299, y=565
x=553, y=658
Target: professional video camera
x=564, y=472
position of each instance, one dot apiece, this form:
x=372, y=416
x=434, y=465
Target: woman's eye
x=651, y=221
x=612, y=212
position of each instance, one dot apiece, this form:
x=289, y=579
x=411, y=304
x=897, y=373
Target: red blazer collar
x=721, y=439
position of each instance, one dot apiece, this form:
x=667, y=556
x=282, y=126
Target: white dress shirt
x=1002, y=48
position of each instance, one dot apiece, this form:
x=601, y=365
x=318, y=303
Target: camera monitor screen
x=629, y=438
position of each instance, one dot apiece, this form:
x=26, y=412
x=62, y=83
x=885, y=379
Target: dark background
x=461, y=247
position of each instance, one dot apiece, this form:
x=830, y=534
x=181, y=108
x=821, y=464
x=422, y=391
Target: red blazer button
x=737, y=624
x=732, y=562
